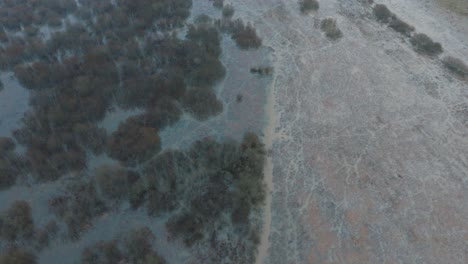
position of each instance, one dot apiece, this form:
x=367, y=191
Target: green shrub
x=308, y=5
x=328, y=25
x=382, y=13
x=456, y=66
x=17, y=255
x=424, y=45
x=400, y=26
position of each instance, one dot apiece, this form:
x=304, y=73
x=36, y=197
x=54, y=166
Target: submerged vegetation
x=99, y=55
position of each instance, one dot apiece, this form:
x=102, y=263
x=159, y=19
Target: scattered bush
x=308, y=5
x=328, y=25
x=400, y=26
x=424, y=45
x=382, y=13
x=17, y=222
x=245, y=35
x=262, y=70
x=456, y=66
x=15, y=255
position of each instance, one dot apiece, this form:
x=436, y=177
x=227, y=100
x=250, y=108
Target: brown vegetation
x=16, y=255
x=17, y=222
x=133, y=143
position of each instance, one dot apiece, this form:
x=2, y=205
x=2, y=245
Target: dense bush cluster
x=328, y=25
x=30, y=13
x=214, y=179
x=308, y=5
x=135, y=247
x=425, y=45
x=384, y=15
x=456, y=66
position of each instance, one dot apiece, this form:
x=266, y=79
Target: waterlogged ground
x=244, y=96
x=13, y=103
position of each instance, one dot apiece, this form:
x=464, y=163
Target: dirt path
x=268, y=132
